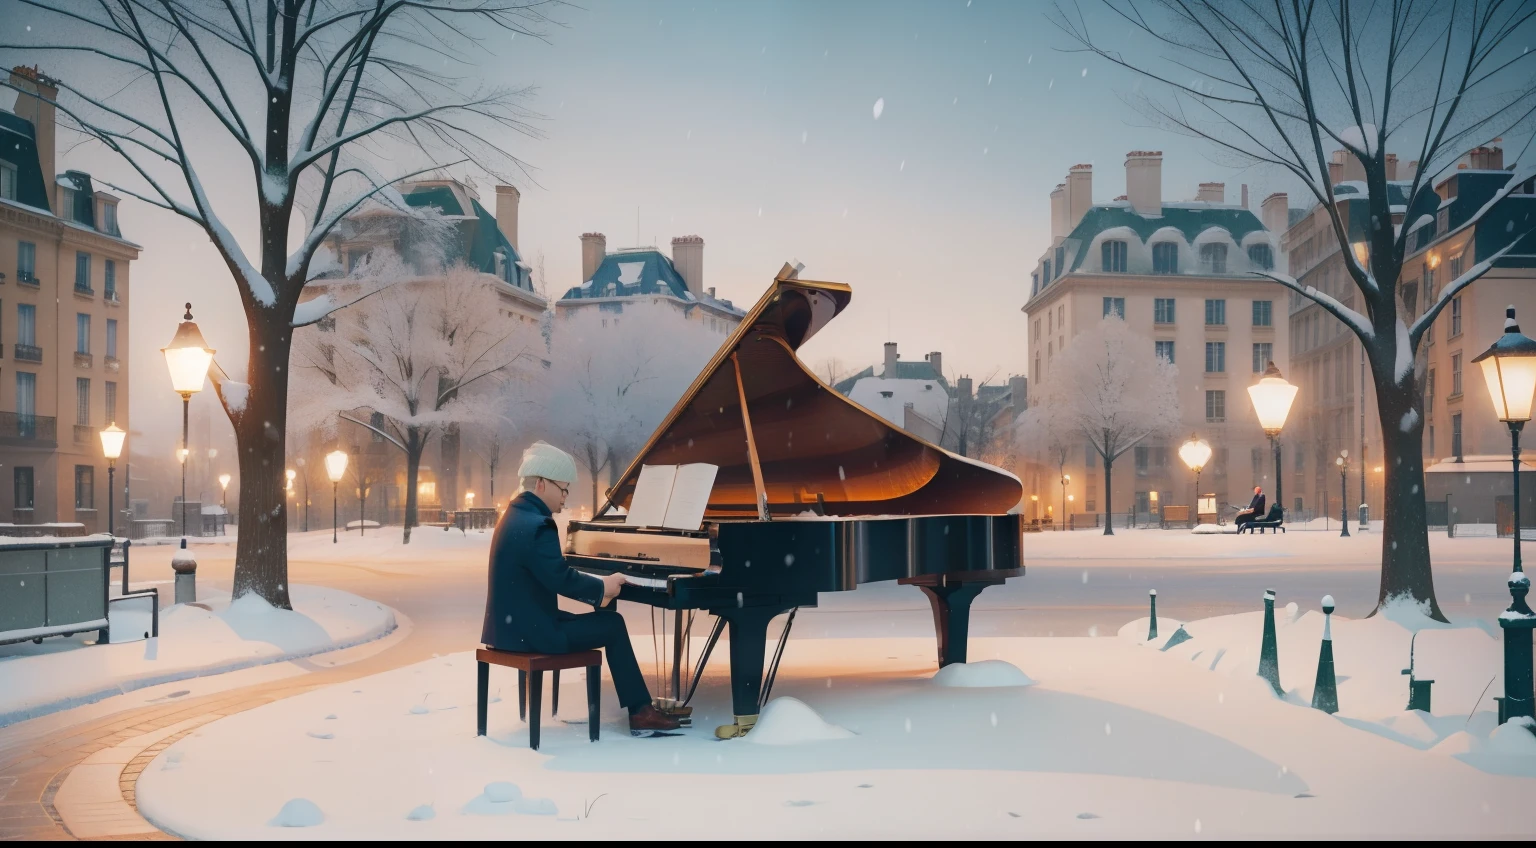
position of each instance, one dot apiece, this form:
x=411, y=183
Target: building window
x=1034, y=284
x=1061, y=261
x=1164, y=351
x=1443, y=220
x=1113, y=256
x=26, y=324
x=82, y=271
x=1142, y=460
x=26, y=402
x=111, y=403
x=1114, y=306
x=1263, y=313
x=1455, y=316
x=7, y=180
x=82, y=332
x=1215, y=357
x=1431, y=441
x=1165, y=258
x=1163, y=311
x=1261, y=256
x=376, y=423
x=1047, y=267
x=109, y=280
x=24, y=486
x=112, y=337
x=1429, y=394
x=1215, y=406
x=1455, y=375
x=1213, y=258
x=26, y=262
x=85, y=487
x=1090, y=457
x=1263, y=352
x=109, y=218
x=1301, y=460
x=1456, y=435
x=1215, y=313
x=1061, y=317
x=1456, y=266
x=83, y=401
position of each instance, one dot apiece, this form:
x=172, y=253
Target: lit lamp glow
x=112, y=447
x=1272, y=397
x=1196, y=453
x=224, y=484
x=188, y=357
x=1509, y=369
x=1342, y=461
x=335, y=466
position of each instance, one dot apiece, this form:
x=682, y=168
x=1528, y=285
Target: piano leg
x=951, y=602
x=749, y=644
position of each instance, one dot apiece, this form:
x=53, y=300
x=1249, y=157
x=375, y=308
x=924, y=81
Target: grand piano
x=813, y=494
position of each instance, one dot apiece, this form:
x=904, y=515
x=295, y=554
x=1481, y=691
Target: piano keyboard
x=645, y=582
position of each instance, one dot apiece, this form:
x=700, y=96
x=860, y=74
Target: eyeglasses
x=565, y=491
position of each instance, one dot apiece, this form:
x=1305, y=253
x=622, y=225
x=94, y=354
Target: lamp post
x=112, y=448
x=1272, y=397
x=335, y=466
x=1509, y=369
x=187, y=357
x=213, y=454
x=1342, y=461
x=1196, y=453
x=1065, y=479
x=224, y=485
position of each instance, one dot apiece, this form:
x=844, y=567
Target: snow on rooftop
x=888, y=399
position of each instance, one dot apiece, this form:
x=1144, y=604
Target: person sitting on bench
x=527, y=572
x=1255, y=508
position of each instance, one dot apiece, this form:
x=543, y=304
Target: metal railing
x=28, y=353
x=83, y=434
x=28, y=278
x=110, y=363
x=84, y=360
x=85, y=290
x=16, y=426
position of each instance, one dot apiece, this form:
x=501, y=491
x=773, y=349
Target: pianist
x=527, y=571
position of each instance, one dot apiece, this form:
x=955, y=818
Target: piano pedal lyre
x=670, y=706
x=741, y=727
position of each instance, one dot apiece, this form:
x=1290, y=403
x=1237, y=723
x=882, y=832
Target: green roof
x=1190, y=221
x=18, y=146
x=479, y=239
x=905, y=370
x=632, y=272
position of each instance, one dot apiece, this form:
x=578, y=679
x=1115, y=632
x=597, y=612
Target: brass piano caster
x=741, y=728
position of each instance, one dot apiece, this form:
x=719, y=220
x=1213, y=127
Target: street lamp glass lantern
x=188, y=357
x=181, y=455
x=1272, y=397
x=336, y=465
x=1509, y=369
x=224, y=481
x=1195, y=453
x=112, y=441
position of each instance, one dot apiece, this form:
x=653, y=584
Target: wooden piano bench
x=530, y=698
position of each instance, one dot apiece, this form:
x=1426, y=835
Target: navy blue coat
x=527, y=572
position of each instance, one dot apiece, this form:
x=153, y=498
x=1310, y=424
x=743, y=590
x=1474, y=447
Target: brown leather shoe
x=650, y=720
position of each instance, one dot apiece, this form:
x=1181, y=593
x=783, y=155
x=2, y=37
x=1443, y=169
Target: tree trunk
x=261, y=547
x=414, y=445
x=1109, y=511
x=1405, y=562
x=448, y=479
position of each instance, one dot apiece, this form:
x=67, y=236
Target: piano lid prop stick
x=746, y=422
x=778, y=653
x=709, y=646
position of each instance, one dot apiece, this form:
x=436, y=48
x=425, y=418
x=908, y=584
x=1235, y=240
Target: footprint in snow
x=318, y=734
x=1086, y=816
x=331, y=717
x=866, y=786
x=798, y=803
x=420, y=709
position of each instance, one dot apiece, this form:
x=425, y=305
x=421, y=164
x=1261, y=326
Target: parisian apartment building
x=64, y=286
x=1179, y=273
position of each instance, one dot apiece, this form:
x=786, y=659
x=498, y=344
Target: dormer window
x=1261, y=256
x=501, y=265
x=1214, y=258
x=7, y=180
x=887, y=394
x=109, y=219
x=1114, y=255
x=1165, y=258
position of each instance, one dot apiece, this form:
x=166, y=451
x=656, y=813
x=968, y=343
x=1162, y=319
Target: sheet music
x=690, y=495
x=648, y=508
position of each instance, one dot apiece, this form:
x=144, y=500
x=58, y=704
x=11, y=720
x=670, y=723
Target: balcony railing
x=14, y=425
x=84, y=433
x=110, y=296
x=110, y=363
x=83, y=360
x=85, y=290
x=28, y=353
x=28, y=278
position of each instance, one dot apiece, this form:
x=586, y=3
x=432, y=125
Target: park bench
x=1175, y=515
x=530, y=697
x=1274, y=520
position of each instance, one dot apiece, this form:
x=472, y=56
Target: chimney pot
x=688, y=260
x=1144, y=181
x=890, y=361
x=1079, y=194
x=936, y=359
x=1212, y=193
x=34, y=87
x=594, y=248
x=507, y=200
x=1274, y=213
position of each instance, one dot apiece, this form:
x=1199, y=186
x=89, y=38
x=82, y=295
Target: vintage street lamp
x=1065, y=479
x=1272, y=397
x=112, y=448
x=1342, y=461
x=1196, y=453
x=1509, y=369
x=188, y=358
x=335, y=466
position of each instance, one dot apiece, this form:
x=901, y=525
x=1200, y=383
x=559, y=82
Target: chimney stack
x=1018, y=392
x=594, y=247
x=688, y=259
x=1336, y=168
x=1245, y=195
x=1275, y=214
x=1391, y=167
x=1058, y=213
x=890, y=361
x=1144, y=181
x=1486, y=158
x=507, y=198
x=1212, y=193
x=1412, y=171
x=963, y=388
x=35, y=87
x=936, y=359
x=1079, y=194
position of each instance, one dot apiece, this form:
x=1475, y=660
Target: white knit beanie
x=543, y=459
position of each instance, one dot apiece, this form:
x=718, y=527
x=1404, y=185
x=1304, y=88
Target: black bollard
x=1325, y=692
x=1152, y=629
x=1517, y=623
x=1269, y=653
x=1418, y=690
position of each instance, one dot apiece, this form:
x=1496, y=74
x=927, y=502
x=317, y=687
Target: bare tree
x=1104, y=389
x=411, y=361
x=309, y=92
x=1283, y=85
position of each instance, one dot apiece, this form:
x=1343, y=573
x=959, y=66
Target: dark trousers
x=1244, y=517
x=605, y=629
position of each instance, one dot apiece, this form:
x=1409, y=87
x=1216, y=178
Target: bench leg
x=482, y=692
x=554, y=693
x=535, y=706
x=522, y=696
x=594, y=699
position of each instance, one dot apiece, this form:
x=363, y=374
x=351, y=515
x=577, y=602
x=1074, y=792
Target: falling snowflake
x=1051, y=84
x=1093, y=631
x=879, y=107
x=902, y=166
x=804, y=134
x=1085, y=72
x=989, y=79
x=1106, y=728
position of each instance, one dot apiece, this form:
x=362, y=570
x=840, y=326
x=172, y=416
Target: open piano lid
x=809, y=439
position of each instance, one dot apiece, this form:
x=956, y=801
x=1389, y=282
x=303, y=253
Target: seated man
x=1255, y=510
x=527, y=572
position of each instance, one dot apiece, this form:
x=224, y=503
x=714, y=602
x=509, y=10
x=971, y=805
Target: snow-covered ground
x=211, y=637
x=1083, y=737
